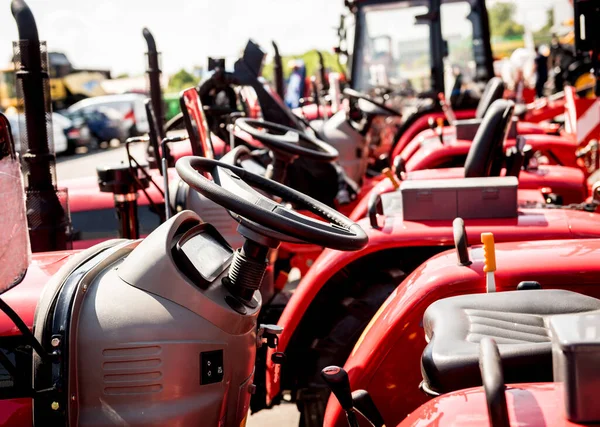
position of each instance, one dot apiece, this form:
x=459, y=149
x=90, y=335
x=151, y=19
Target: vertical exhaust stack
x=323, y=72
x=156, y=97
x=278, y=72
x=47, y=207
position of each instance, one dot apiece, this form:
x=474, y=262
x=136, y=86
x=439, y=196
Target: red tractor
x=153, y=332
x=439, y=314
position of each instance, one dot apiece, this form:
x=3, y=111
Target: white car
x=130, y=105
x=59, y=124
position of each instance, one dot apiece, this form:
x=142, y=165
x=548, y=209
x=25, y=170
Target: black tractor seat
x=519, y=323
x=494, y=90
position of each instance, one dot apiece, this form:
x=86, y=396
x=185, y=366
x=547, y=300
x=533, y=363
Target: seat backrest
x=196, y=124
x=485, y=156
x=494, y=90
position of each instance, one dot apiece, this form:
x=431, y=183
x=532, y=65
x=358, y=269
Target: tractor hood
x=24, y=298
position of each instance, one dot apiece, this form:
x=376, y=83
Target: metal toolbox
x=468, y=198
x=575, y=359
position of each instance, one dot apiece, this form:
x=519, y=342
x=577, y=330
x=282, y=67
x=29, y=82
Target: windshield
x=392, y=51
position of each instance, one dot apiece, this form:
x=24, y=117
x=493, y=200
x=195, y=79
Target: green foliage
x=123, y=76
x=544, y=34
x=502, y=22
x=311, y=60
x=182, y=80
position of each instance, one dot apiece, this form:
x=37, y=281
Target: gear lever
x=337, y=380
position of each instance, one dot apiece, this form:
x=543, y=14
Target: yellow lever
x=489, y=252
x=489, y=260
x=390, y=175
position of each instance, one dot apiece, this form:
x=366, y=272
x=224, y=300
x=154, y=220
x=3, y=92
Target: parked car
x=105, y=124
x=76, y=130
x=58, y=135
x=130, y=106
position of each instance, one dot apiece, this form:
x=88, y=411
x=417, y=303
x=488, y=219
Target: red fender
x=544, y=109
x=532, y=224
x=24, y=299
x=386, y=359
x=533, y=405
x=426, y=151
x=430, y=152
x=421, y=124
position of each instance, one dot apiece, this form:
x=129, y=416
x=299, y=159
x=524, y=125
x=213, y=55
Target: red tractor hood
x=24, y=297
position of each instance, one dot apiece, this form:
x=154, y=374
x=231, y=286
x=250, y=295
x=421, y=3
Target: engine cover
x=154, y=347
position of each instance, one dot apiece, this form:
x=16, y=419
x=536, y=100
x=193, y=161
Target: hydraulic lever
x=351, y=402
x=339, y=384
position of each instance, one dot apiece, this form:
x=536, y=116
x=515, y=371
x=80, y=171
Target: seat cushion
x=517, y=321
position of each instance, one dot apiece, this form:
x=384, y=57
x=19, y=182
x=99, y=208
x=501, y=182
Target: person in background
x=541, y=66
x=296, y=84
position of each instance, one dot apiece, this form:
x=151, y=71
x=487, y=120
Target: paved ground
x=281, y=416
x=84, y=164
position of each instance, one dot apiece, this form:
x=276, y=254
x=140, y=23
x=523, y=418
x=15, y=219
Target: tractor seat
x=519, y=323
x=494, y=90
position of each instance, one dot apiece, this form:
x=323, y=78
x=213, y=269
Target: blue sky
x=107, y=33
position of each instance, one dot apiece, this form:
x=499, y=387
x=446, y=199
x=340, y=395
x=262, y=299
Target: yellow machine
x=67, y=84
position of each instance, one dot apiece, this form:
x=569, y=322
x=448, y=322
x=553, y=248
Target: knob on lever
x=337, y=380
x=360, y=401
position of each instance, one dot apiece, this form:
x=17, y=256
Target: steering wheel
x=288, y=140
x=370, y=106
x=286, y=145
x=232, y=188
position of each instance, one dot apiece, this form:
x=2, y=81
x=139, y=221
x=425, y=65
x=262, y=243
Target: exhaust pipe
x=278, y=72
x=323, y=72
x=153, y=70
x=47, y=215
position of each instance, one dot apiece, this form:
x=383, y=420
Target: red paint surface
x=544, y=109
x=386, y=362
x=426, y=151
x=23, y=299
x=421, y=124
x=532, y=405
x=531, y=224
x=16, y=412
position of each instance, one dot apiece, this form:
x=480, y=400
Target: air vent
x=132, y=370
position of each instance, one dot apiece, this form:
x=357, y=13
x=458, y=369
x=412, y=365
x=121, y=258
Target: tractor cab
x=413, y=48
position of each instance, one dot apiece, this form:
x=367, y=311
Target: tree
x=181, y=80
x=502, y=22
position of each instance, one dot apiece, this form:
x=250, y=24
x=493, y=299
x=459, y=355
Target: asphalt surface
x=84, y=164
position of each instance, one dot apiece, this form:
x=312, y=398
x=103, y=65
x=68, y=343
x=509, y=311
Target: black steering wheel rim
x=249, y=205
x=359, y=95
x=289, y=142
